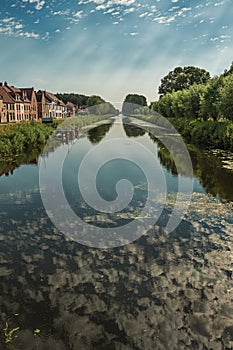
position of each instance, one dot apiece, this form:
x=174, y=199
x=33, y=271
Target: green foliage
x=132, y=102
x=228, y=71
x=164, y=105
x=182, y=78
x=136, y=99
x=225, y=106
x=18, y=138
x=77, y=99
x=206, y=134
x=180, y=104
x=94, y=100
x=80, y=99
x=210, y=99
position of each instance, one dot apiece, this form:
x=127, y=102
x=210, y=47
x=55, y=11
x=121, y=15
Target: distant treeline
x=80, y=100
x=94, y=103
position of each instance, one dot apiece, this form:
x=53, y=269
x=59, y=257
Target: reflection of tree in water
x=165, y=291
x=214, y=178
x=30, y=157
x=133, y=131
x=95, y=135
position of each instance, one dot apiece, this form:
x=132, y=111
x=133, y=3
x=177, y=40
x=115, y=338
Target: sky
x=111, y=47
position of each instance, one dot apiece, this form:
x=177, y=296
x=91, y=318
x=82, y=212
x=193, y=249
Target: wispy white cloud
x=11, y=27
x=39, y=3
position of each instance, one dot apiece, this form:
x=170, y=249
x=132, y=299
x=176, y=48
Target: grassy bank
x=80, y=122
x=20, y=138
x=204, y=134
x=16, y=139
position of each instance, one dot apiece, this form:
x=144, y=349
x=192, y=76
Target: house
x=43, y=108
x=20, y=103
x=30, y=103
x=15, y=94
x=49, y=106
x=8, y=104
x=2, y=110
x=71, y=109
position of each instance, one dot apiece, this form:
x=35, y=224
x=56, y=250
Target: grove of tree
x=212, y=100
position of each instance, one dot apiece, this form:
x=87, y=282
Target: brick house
x=2, y=110
x=49, y=106
x=15, y=94
x=43, y=108
x=8, y=104
x=30, y=102
x=71, y=109
x=20, y=103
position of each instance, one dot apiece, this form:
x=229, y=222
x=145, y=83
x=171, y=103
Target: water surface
x=163, y=291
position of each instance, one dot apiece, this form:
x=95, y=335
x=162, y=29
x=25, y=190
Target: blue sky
x=111, y=47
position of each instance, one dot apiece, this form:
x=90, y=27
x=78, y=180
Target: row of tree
x=95, y=104
x=197, y=97
x=188, y=92
x=80, y=100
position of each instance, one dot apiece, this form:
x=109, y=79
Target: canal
x=163, y=290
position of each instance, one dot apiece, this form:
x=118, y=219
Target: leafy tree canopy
x=225, y=105
x=182, y=78
x=136, y=99
x=94, y=100
x=80, y=100
x=228, y=71
x=77, y=99
x=131, y=102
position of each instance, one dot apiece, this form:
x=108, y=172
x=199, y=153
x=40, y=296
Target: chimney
x=0, y=83
x=5, y=83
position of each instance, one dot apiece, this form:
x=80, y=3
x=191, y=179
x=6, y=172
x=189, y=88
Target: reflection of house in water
x=60, y=137
x=66, y=136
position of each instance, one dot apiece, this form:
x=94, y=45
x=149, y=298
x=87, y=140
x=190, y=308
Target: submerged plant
x=9, y=334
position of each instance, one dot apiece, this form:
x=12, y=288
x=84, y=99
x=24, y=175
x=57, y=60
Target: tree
x=182, y=78
x=225, y=105
x=131, y=103
x=77, y=99
x=164, y=106
x=210, y=99
x=193, y=101
x=228, y=71
x=136, y=99
x=94, y=100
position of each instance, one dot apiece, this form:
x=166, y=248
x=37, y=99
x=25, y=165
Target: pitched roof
x=39, y=95
x=28, y=91
x=7, y=98
x=70, y=105
x=14, y=89
x=51, y=96
x=62, y=103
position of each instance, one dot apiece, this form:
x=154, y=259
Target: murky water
x=163, y=291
